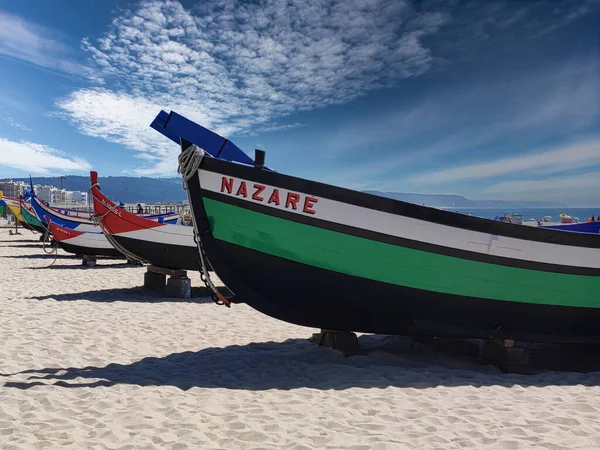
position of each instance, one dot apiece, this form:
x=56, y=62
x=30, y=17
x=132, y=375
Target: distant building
x=12, y=189
x=49, y=194
x=44, y=192
x=57, y=196
x=79, y=197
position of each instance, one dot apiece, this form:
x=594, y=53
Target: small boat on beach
x=15, y=208
x=83, y=220
x=82, y=243
x=65, y=219
x=579, y=227
x=30, y=217
x=546, y=222
x=158, y=243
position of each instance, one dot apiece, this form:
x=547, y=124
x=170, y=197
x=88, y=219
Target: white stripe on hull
x=90, y=240
x=87, y=228
x=10, y=202
x=52, y=213
x=166, y=234
x=418, y=230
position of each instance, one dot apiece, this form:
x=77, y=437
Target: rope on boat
x=190, y=160
x=189, y=163
x=54, y=246
x=28, y=227
x=97, y=220
x=130, y=256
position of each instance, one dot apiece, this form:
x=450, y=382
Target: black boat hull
x=160, y=254
x=316, y=297
x=320, y=298
x=79, y=250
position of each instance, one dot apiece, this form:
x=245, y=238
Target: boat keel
x=344, y=341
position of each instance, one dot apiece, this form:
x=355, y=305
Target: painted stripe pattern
x=168, y=234
x=399, y=226
x=393, y=264
x=119, y=222
x=29, y=215
x=78, y=238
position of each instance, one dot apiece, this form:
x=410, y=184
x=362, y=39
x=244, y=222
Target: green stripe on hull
x=402, y=266
x=30, y=219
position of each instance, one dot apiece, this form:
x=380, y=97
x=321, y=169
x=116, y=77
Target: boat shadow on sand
x=133, y=295
x=41, y=256
x=100, y=264
x=293, y=364
x=19, y=242
x=32, y=245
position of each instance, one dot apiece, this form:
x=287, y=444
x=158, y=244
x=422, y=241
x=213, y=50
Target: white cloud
x=118, y=118
x=35, y=44
x=584, y=154
x=574, y=182
x=568, y=12
x=237, y=66
x=574, y=190
x=36, y=158
x=456, y=121
x=275, y=127
x=15, y=123
x=457, y=118
x=125, y=119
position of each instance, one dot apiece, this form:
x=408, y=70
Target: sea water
x=532, y=213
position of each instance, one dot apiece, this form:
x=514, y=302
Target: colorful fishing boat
x=14, y=207
x=82, y=221
x=82, y=243
x=332, y=258
x=579, y=227
x=546, y=222
x=30, y=216
x=158, y=243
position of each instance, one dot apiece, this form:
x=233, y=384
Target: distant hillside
x=437, y=200
x=152, y=190
x=124, y=189
x=458, y=201
x=519, y=204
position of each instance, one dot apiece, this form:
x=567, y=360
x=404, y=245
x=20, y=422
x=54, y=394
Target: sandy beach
x=89, y=360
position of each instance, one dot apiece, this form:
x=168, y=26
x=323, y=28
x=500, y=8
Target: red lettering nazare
x=242, y=189
x=227, y=184
x=292, y=199
x=259, y=188
x=274, y=198
x=309, y=202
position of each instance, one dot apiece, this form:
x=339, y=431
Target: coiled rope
x=189, y=163
x=53, y=247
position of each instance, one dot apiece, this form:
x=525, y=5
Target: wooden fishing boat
x=29, y=216
x=82, y=221
x=582, y=227
x=14, y=207
x=332, y=258
x=82, y=243
x=160, y=244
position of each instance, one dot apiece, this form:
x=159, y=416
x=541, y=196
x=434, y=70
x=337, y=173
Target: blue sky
x=484, y=99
